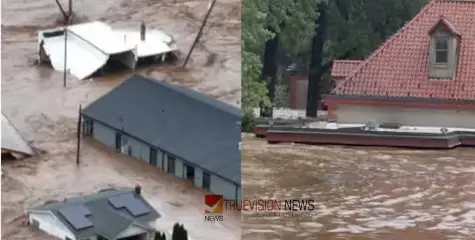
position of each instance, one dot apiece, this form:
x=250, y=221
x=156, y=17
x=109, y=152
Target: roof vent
x=371, y=125
x=138, y=190
x=444, y=130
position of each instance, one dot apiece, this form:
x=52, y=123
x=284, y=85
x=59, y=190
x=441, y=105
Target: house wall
x=141, y=151
x=132, y=231
x=405, y=116
x=51, y=225
x=199, y=177
x=104, y=134
x=298, y=92
x=222, y=186
x=301, y=94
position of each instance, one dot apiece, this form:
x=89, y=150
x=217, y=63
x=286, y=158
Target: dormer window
x=443, y=50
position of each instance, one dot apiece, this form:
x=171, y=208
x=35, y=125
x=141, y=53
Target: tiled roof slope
x=343, y=68
x=399, y=67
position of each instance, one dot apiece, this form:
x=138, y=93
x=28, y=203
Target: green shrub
x=248, y=121
x=160, y=236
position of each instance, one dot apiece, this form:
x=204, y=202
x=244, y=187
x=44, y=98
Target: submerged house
x=423, y=75
x=106, y=215
x=183, y=132
x=94, y=45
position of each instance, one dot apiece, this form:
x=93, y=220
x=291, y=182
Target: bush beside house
x=179, y=232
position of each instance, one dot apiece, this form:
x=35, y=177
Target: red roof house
x=423, y=75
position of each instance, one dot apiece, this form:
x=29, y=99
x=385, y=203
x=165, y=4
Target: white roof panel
x=12, y=140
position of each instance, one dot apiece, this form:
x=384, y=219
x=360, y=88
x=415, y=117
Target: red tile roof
x=399, y=67
x=343, y=68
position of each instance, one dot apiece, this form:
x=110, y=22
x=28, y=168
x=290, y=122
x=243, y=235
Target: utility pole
x=79, y=129
x=70, y=10
x=203, y=24
x=65, y=54
x=66, y=51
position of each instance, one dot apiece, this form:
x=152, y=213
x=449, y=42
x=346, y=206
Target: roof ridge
x=188, y=92
x=385, y=44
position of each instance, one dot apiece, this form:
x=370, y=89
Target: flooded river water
x=361, y=193
x=34, y=99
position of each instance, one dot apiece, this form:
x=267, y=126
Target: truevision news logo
x=215, y=205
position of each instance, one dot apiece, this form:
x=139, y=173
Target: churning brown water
x=361, y=193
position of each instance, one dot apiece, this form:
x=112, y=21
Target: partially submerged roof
x=12, y=141
x=89, y=46
x=98, y=214
x=399, y=67
x=190, y=125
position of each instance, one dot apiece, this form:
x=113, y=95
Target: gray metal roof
x=193, y=126
x=106, y=220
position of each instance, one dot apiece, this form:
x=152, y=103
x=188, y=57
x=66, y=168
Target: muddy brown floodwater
x=46, y=113
x=361, y=193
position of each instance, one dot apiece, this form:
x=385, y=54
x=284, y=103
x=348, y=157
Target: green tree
x=160, y=236
x=179, y=232
x=254, y=35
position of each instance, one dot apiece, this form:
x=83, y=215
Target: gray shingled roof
x=107, y=221
x=193, y=126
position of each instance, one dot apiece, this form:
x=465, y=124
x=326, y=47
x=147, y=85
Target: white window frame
x=446, y=50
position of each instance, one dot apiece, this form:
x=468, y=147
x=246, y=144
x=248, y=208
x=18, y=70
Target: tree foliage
x=254, y=35
x=292, y=20
x=160, y=236
x=179, y=232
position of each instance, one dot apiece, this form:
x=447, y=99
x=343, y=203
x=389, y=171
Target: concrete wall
x=51, y=225
x=141, y=151
x=416, y=117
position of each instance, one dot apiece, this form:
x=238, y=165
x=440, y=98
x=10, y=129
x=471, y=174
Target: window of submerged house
x=441, y=50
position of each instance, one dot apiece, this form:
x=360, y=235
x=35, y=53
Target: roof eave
x=394, y=98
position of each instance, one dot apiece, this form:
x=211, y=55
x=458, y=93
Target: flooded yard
x=34, y=99
x=361, y=193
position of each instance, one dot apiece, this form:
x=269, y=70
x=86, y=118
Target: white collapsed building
x=90, y=46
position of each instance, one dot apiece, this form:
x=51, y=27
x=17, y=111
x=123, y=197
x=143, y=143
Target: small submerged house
x=106, y=215
x=95, y=45
x=183, y=132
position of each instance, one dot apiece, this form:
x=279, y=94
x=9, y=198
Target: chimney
x=138, y=190
x=142, y=31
